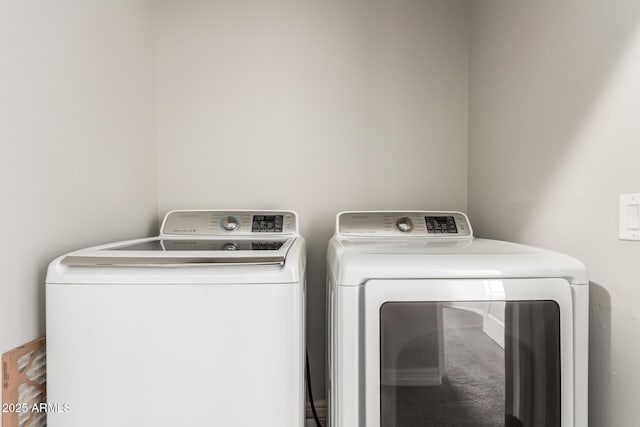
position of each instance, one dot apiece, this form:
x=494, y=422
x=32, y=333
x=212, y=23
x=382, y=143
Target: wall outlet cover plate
x=629, y=216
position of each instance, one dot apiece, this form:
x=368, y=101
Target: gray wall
x=312, y=106
x=76, y=130
x=554, y=138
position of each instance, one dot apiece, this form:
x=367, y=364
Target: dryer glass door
x=469, y=353
x=470, y=363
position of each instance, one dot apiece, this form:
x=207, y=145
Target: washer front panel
x=176, y=355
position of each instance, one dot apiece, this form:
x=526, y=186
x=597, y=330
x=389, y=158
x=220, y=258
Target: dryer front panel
x=468, y=353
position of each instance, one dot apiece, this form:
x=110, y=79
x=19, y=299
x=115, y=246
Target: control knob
x=404, y=224
x=230, y=223
x=230, y=247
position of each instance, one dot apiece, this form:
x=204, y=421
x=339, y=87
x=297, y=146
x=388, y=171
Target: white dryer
x=202, y=325
x=428, y=326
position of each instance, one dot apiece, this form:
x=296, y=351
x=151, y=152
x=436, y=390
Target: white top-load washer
x=202, y=325
x=428, y=325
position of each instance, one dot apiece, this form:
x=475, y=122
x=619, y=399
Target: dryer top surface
x=353, y=261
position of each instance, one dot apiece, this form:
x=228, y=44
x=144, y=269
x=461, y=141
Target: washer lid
x=160, y=251
x=202, y=237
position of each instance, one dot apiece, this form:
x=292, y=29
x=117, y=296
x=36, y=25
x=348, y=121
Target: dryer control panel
x=226, y=223
x=437, y=224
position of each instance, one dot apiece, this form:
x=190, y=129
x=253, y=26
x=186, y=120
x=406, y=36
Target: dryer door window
x=466, y=363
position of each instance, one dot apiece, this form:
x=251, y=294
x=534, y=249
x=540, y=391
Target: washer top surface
x=199, y=246
x=379, y=245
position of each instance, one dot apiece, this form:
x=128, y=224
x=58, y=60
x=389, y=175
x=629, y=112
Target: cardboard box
x=24, y=385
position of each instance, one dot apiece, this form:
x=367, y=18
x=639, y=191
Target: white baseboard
x=416, y=377
x=321, y=409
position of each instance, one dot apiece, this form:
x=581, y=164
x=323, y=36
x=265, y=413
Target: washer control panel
x=225, y=223
x=437, y=224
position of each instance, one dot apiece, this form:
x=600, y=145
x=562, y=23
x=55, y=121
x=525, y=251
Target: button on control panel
x=404, y=224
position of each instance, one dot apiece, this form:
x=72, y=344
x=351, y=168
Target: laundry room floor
x=473, y=386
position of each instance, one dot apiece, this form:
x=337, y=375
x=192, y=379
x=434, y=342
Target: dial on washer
x=230, y=223
x=404, y=224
